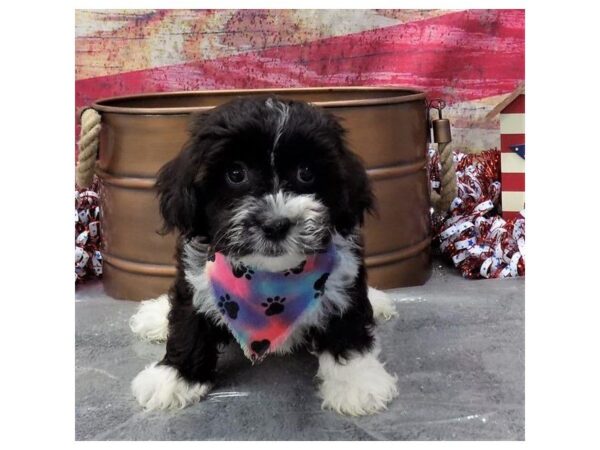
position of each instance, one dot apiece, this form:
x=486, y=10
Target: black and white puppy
x=265, y=182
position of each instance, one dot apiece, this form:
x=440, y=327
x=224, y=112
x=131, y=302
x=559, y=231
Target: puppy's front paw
x=356, y=387
x=161, y=387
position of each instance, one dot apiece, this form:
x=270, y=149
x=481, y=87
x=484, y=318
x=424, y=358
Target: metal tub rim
x=399, y=94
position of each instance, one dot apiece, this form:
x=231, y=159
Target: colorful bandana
x=263, y=308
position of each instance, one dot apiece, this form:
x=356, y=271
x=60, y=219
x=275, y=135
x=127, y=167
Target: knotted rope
x=88, y=147
x=448, y=190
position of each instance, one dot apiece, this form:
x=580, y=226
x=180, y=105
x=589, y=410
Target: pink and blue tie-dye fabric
x=263, y=308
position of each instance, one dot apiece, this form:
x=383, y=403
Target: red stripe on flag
x=517, y=106
x=507, y=215
x=506, y=140
x=513, y=182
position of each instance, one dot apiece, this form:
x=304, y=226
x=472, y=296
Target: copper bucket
x=386, y=127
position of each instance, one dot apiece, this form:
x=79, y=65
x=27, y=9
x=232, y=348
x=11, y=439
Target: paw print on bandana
x=274, y=305
x=260, y=347
x=295, y=270
x=320, y=285
x=228, y=306
x=241, y=270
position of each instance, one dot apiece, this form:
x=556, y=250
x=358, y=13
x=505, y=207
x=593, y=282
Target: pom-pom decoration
x=88, y=259
x=479, y=242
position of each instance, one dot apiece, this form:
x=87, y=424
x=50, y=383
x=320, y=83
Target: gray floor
x=457, y=347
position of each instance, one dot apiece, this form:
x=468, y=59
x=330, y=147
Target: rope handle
x=441, y=202
x=89, y=139
x=442, y=136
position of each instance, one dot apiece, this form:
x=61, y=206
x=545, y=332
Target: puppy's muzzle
x=276, y=229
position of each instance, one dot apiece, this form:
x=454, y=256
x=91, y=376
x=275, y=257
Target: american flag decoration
x=519, y=150
x=512, y=145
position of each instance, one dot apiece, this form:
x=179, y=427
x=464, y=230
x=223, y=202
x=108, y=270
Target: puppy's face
x=265, y=177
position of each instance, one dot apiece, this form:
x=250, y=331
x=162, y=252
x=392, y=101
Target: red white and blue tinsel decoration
x=480, y=243
x=88, y=258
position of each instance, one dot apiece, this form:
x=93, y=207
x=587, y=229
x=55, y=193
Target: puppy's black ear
x=179, y=185
x=178, y=196
x=357, y=197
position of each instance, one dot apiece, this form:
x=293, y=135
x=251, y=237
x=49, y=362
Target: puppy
x=266, y=188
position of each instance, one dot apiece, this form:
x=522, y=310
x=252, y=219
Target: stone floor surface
x=457, y=348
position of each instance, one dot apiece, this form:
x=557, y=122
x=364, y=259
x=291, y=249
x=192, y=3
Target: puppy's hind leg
x=151, y=322
x=382, y=304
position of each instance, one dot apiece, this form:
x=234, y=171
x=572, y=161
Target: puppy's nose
x=276, y=229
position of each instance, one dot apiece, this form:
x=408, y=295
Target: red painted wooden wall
x=471, y=58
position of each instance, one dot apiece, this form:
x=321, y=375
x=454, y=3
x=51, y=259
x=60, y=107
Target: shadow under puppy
x=269, y=203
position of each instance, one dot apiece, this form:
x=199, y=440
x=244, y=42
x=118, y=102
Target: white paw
x=161, y=387
x=383, y=305
x=150, y=322
x=356, y=387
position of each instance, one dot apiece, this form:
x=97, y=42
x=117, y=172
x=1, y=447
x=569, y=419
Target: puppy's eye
x=305, y=174
x=237, y=173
